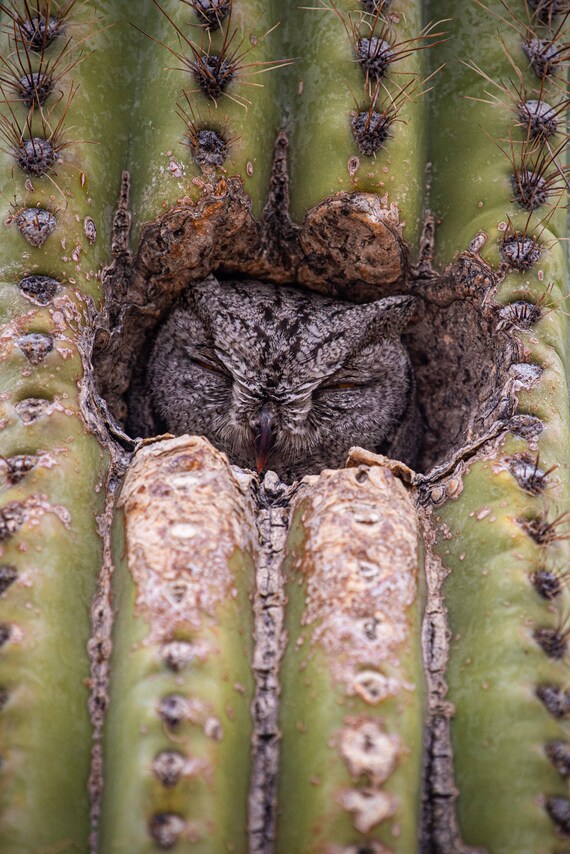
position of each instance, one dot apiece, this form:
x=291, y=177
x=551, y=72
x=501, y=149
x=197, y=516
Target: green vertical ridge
x=352, y=697
x=324, y=87
x=501, y=728
x=85, y=183
x=55, y=553
x=162, y=167
x=471, y=120
x=193, y=590
x=44, y=726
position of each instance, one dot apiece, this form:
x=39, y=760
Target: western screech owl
x=276, y=377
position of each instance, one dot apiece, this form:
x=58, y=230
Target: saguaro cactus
x=200, y=658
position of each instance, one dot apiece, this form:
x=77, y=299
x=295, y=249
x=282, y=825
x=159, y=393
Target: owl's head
x=288, y=380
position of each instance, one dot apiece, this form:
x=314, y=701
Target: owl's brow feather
x=350, y=353
x=354, y=344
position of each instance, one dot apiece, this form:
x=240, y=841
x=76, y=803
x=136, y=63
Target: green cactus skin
x=327, y=85
x=183, y=636
x=53, y=468
x=501, y=728
x=352, y=692
x=45, y=730
x=245, y=115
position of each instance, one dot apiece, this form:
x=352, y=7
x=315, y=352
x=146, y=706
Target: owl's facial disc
x=281, y=379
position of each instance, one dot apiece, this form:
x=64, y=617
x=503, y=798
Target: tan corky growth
x=182, y=589
x=361, y=574
x=180, y=563
x=352, y=687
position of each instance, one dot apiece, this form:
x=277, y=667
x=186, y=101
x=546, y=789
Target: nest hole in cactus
x=460, y=345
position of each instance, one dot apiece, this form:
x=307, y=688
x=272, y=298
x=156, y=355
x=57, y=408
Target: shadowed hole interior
x=460, y=351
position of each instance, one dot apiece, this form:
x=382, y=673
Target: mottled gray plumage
x=292, y=378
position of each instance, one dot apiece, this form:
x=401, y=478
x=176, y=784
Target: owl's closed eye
x=286, y=380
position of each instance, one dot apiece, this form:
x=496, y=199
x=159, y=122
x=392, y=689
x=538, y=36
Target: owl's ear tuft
x=388, y=316
x=198, y=296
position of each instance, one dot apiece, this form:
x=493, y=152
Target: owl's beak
x=265, y=440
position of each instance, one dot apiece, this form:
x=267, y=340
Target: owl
x=282, y=379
